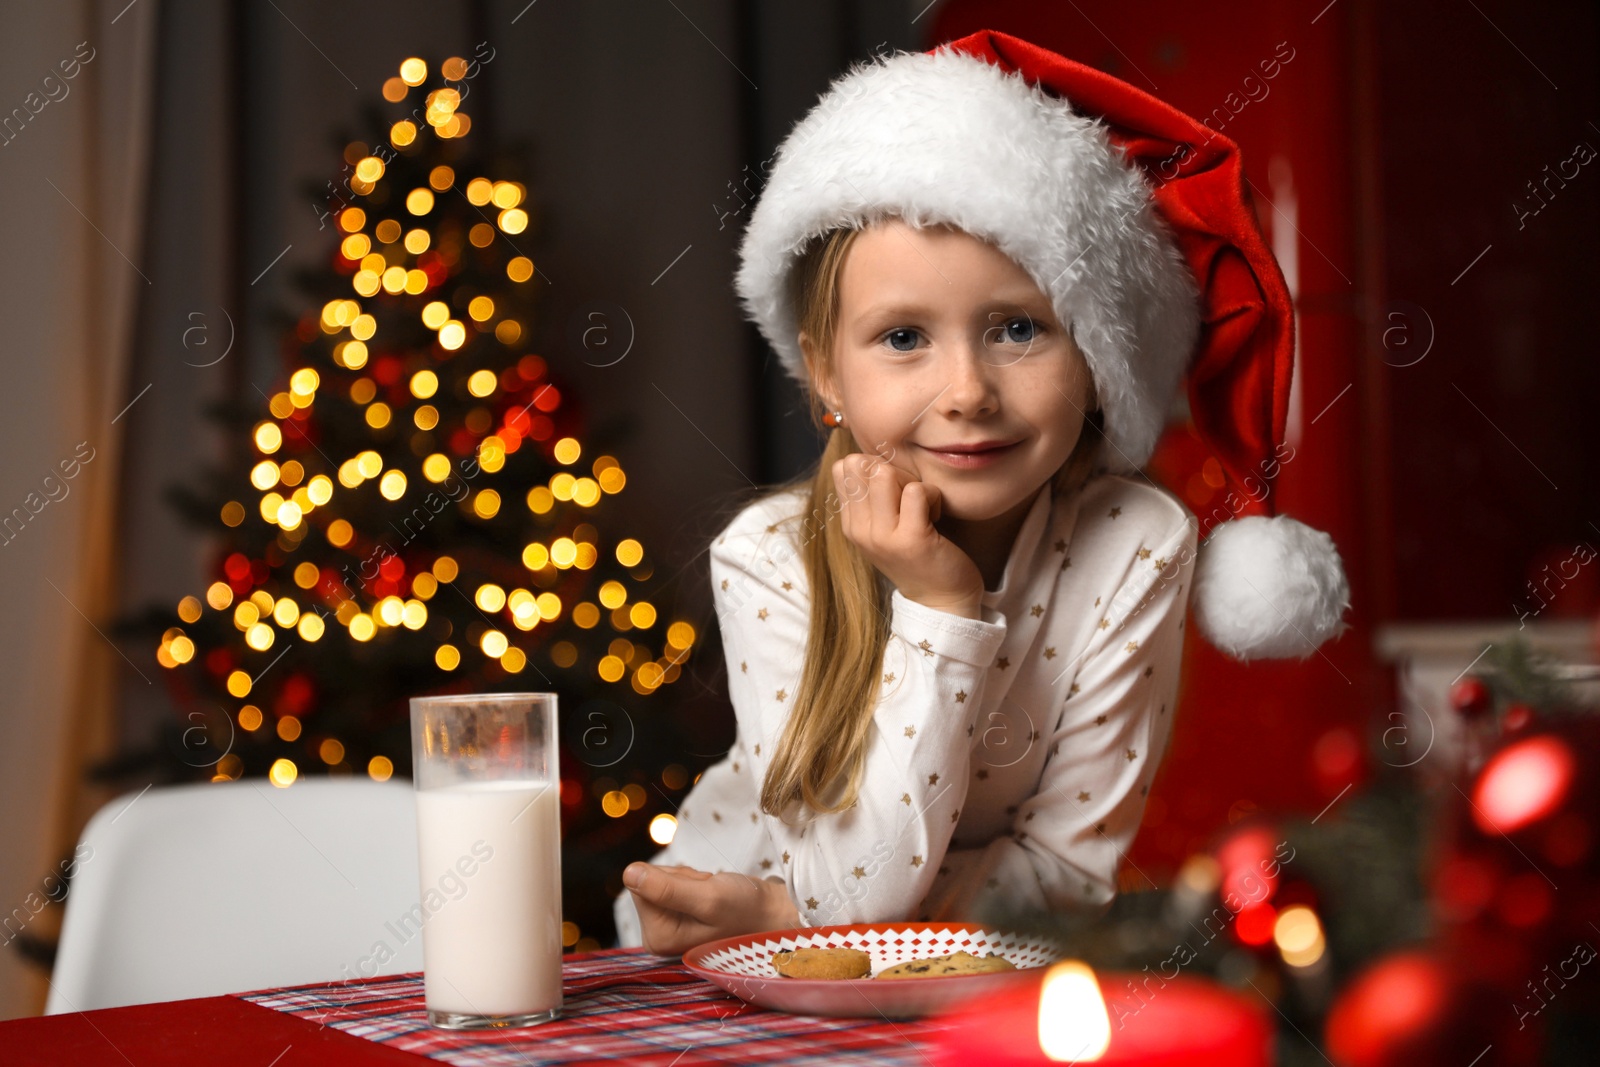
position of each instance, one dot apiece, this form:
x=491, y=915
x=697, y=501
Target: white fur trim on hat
x=1269, y=588
x=947, y=137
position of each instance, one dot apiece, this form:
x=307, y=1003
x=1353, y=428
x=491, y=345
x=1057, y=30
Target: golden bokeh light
x=283, y=773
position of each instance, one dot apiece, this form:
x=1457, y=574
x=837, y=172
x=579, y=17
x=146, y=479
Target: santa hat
x=1133, y=218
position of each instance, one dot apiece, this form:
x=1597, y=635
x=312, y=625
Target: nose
x=971, y=391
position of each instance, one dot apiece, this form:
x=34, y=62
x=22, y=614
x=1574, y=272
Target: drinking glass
x=489, y=849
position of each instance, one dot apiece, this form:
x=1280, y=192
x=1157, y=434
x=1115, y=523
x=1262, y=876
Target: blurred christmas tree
x=415, y=513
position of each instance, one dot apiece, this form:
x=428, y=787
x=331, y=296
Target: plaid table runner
x=620, y=1005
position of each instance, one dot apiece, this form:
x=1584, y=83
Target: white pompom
x=1269, y=588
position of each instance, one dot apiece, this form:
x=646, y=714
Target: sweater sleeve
x=1067, y=841
x=876, y=860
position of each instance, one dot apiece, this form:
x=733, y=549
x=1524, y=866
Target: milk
x=493, y=948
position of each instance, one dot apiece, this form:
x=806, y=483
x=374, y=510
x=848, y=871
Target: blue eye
x=902, y=332
x=1022, y=335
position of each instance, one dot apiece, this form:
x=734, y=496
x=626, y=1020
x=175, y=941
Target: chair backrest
x=199, y=890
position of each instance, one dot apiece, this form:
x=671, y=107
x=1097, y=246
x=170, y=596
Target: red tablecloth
x=621, y=1005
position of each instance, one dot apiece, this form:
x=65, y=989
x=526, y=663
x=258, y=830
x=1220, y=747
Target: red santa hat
x=1134, y=219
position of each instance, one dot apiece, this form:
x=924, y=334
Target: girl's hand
x=681, y=907
x=889, y=514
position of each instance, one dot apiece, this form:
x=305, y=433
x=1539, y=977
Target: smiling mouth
x=970, y=458
x=982, y=449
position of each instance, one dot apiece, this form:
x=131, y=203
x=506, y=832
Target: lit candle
x=1063, y=1017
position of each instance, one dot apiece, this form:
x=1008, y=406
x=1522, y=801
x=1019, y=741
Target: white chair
x=199, y=890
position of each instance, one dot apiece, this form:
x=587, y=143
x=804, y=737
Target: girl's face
x=944, y=343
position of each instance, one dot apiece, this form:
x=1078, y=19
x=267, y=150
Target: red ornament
x=1415, y=1009
x=1471, y=697
x=1518, y=718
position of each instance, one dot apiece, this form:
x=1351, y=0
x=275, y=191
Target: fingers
x=666, y=932
x=916, y=507
x=883, y=493
x=678, y=889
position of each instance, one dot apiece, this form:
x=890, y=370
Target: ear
x=821, y=383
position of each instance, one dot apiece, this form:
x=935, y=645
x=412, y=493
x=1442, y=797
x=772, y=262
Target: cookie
x=823, y=963
x=955, y=963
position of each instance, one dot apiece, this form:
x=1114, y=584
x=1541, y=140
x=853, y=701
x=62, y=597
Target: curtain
x=74, y=119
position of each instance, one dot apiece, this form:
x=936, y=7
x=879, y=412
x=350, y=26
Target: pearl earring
x=833, y=418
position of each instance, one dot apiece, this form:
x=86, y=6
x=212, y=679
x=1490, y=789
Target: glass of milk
x=489, y=846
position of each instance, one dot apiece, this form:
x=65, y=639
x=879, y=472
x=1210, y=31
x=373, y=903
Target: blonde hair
x=822, y=752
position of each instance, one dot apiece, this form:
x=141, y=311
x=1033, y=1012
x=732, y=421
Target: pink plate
x=743, y=966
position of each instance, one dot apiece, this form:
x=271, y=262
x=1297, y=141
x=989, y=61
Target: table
x=622, y=1005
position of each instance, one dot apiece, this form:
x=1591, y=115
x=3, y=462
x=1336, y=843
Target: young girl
x=953, y=649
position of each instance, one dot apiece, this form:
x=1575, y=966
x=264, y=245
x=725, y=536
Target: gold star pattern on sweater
x=971, y=726
x=781, y=694
x=961, y=696
x=1029, y=817
x=717, y=815
x=858, y=872
x=758, y=750
x=772, y=529
x=1132, y=754
x=905, y=798
x=1083, y=796
x=926, y=646
x=786, y=856
x=888, y=678
x=744, y=667
x=1050, y=652
x=1100, y=828
x=1100, y=720
x=1144, y=553
x=983, y=772
x=811, y=903
x=916, y=861
x=1097, y=601
x=911, y=731
x=1037, y=610
x=724, y=585
x=1115, y=512
x=933, y=779
x=1066, y=563
x=1075, y=690
x=1148, y=671
x=1105, y=624
x=762, y=614
x=1160, y=563
x=766, y=865
x=1002, y=663
x=787, y=586
x=954, y=815
x=735, y=766
x=1061, y=546
x=1131, y=647
x=753, y=817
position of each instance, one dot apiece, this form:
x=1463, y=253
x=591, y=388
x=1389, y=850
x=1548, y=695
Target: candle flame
x=1073, y=1024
